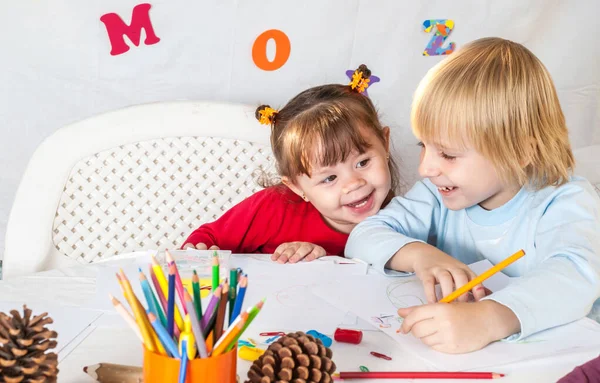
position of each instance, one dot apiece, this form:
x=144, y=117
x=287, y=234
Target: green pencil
x=197, y=298
x=252, y=313
x=232, y=291
x=215, y=271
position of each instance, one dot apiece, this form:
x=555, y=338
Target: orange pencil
x=230, y=335
x=210, y=342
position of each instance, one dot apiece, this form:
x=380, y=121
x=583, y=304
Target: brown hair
x=497, y=96
x=324, y=124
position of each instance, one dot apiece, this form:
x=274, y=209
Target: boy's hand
x=433, y=266
x=459, y=327
x=200, y=246
x=293, y=252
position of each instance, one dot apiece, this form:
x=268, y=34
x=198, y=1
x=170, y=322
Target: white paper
x=376, y=299
x=69, y=322
x=288, y=292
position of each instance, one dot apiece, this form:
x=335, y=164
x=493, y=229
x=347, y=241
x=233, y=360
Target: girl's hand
x=432, y=266
x=456, y=328
x=293, y=252
x=200, y=246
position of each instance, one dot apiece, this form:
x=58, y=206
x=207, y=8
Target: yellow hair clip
x=360, y=79
x=266, y=115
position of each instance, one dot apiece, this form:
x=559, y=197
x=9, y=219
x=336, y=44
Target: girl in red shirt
x=332, y=156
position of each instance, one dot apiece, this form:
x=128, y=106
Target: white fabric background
x=55, y=65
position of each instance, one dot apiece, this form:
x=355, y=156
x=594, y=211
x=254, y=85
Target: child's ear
x=386, y=135
x=292, y=186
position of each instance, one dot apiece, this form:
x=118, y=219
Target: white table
x=108, y=340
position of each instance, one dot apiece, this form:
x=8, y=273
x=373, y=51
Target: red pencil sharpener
x=347, y=335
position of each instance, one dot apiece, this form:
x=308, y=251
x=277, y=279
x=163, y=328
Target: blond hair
x=496, y=96
x=324, y=124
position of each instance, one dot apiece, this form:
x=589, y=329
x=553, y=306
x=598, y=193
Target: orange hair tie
x=359, y=82
x=266, y=115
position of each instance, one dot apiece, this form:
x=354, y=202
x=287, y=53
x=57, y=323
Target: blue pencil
x=184, y=362
x=171, y=301
x=164, y=337
x=148, y=293
x=239, y=301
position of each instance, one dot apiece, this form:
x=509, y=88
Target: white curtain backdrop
x=56, y=66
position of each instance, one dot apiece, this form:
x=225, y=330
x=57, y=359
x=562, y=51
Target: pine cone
x=24, y=342
x=293, y=358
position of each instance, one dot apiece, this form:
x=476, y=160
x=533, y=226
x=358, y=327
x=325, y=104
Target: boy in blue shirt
x=497, y=164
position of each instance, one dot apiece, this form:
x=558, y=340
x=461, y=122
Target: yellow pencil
x=164, y=286
x=485, y=275
x=141, y=318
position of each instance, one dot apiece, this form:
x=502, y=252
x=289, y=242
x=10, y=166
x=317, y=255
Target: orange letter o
x=282, y=50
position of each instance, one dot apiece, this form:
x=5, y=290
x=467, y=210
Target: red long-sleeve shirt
x=267, y=219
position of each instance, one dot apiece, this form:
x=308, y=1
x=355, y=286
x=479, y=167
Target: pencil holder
x=219, y=369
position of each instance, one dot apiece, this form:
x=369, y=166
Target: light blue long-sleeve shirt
x=558, y=227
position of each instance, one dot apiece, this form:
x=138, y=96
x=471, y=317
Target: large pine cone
x=24, y=342
x=294, y=358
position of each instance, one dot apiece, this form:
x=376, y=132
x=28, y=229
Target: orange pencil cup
x=219, y=369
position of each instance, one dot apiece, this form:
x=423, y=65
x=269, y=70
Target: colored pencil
x=230, y=335
x=416, y=375
x=171, y=301
x=237, y=308
x=178, y=283
x=139, y=314
x=164, y=285
x=198, y=336
x=221, y=313
x=233, y=279
x=215, y=271
x=160, y=349
x=252, y=313
x=184, y=361
x=113, y=373
x=210, y=325
x=197, y=297
x=211, y=308
x=126, y=316
x=485, y=275
x=163, y=301
x=164, y=336
x=188, y=336
x=153, y=304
